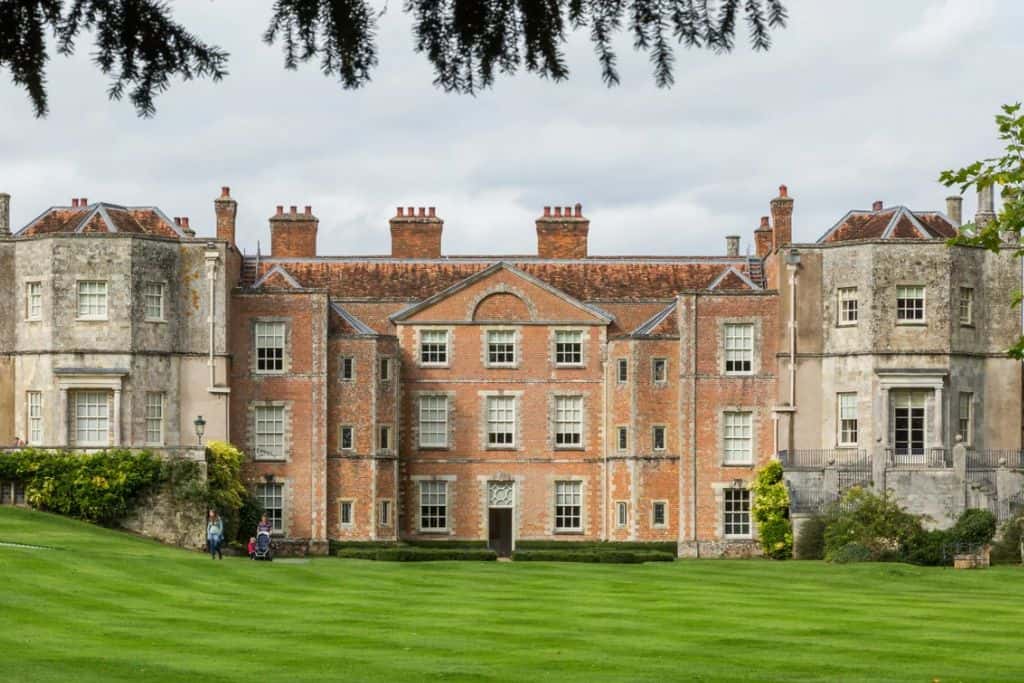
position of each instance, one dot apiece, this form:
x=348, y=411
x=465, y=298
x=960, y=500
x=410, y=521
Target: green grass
x=105, y=606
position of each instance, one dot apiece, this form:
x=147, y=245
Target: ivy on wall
x=770, y=509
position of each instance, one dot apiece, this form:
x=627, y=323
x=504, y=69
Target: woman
x=214, y=534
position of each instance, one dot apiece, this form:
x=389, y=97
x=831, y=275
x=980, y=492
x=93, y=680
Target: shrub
x=413, y=554
x=770, y=510
x=659, y=546
x=874, y=522
x=437, y=543
x=1007, y=550
x=851, y=552
x=929, y=548
x=584, y=555
x=226, y=492
x=810, y=543
x=248, y=517
x=974, y=527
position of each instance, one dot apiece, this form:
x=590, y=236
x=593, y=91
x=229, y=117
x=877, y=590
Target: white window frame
x=437, y=341
x=737, y=429
x=738, y=345
x=737, y=521
x=506, y=339
x=433, y=421
x=34, y=403
x=155, y=403
x=568, y=422
x=351, y=438
x=655, y=504
x=909, y=293
x=153, y=299
x=567, y=337
x=433, y=506
x=351, y=505
x=848, y=306
x=846, y=413
x=96, y=420
x=501, y=412
x=655, y=429
x=350, y=375
x=621, y=514
x=92, y=305
x=269, y=443
x=34, y=300
x=568, y=506
x=266, y=335
x=966, y=306
x=274, y=492
x=965, y=403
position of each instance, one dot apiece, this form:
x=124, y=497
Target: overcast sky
x=857, y=101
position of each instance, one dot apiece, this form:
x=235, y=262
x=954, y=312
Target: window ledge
x=433, y=448
x=281, y=459
x=969, y=326
x=433, y=531
x=501, y=448
x=568, y=532
x=570, y=366
x=853, y=324
x=92, y=320
x=746, y=465
x=155, y=320
x=911, y=323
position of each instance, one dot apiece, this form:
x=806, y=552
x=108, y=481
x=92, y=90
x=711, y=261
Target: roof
x=654, y=325
x=102, y=217
x=894, y=222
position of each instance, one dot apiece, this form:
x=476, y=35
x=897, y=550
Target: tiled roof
x=894, y=222
x=102, y=217
x=663, y=322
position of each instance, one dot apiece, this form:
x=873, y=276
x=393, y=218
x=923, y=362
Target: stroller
x=263, y=550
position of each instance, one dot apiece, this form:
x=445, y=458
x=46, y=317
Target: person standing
x=214, y=534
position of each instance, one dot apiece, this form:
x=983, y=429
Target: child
x=252, y=548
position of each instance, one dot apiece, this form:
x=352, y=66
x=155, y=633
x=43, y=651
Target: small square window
x=348, y=368
x=501, y=348
x=910, y=303
x=658, y=438
x=621, y=514
x=659, y=370
x=92, y=300
x=346, y=438
x=568, y=347
x=658, y=513
x=623, y=370
x=433, y=347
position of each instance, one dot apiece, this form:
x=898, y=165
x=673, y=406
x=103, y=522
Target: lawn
x=102, y=605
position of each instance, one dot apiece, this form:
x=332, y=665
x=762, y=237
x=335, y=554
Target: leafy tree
x=770, y=510
x=140, y=46
x=1006, y=171
x=875, y=527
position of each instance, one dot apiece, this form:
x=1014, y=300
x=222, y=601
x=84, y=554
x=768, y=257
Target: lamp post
x=200, y=424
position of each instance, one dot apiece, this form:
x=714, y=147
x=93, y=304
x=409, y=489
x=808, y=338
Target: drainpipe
x=212, y=258
x=693, y=424
x=792, y=265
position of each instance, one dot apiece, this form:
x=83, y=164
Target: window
x=348, y=368
x=12, y=493
x=623, y=438
x=848, y=306
x=34, y=300
x=345, y=438
x=92, y=418
x=92, y=300
x=433, y=505
x=621, y=514
x=346, y=515
x=434, y=347
x=658, y=437
x=847, y=419
x=270, y=347
x=737, y=513
x=154, y=417
x=568, y=420
x=966, y=415
x=908, y=422
x=658, y=514
x=739, y=348
x=568, y=347
x=966, y=306
x=384, y=438
x=568, y=505
x=501, y=420
x=501, y=347
x=385, y=369
x=659, y=370
x=623, y=371
x=271, y=497
x=269, y=432
x=910, y=303
x=738, y=439
x=153, y=300
x=35, y=417
x=385, y=513
x=433, y=421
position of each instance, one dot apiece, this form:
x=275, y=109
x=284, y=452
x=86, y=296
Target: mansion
x=555, y=395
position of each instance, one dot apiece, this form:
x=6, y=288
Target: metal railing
x=918, y=458
x=820, y=458
x=809, y=500
x=992, y=458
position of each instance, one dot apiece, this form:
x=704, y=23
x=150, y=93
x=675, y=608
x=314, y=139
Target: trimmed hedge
x=604, y=556
x=438, y=543
x=413, y=554
x=576, y=546
x=335, y=546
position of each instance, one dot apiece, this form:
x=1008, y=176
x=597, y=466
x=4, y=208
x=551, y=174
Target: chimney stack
x=225, y=208
x=293, y=234
x=5, y=214
x=74, y=202
x=877, y=205
x=763, y=238
x=415, y=236
x=782, y=219
x=732, y=245
x=986, y=207
x=563, y=235
x=954, y=209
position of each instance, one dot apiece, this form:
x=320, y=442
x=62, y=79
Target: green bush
x=98, y=487
x=851, y=552
x=928, y=548
x=876, y=523
x=248, y=517
x=335, y=546
x=438, y=543
x=603, y=556
x=810, y=543
x=413, y=554
x=770, y=510
x=974, y=527
x=659, y=546
x=1007, y=550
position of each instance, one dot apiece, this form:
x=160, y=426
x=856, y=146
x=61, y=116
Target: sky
x=856, y=102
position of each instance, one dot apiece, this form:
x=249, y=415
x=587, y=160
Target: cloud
x=946, y=25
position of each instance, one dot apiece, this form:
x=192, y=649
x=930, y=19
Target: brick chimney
x=416, y=235
x=562, y=232
x=763, y=238
x=5, y=214
x=225, y=208
x=954, y=209
x=293, y=233
x=732, y=245
x=877, y=205
x=782, y=218
x=986, y=207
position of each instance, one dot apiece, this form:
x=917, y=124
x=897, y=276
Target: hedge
x=413, y=554
x=602, y=556
x=660, y=546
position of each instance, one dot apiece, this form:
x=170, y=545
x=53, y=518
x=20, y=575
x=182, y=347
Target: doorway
x=908, y=426
x=499, y=534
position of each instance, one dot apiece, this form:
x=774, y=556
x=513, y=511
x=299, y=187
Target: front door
x=908, y=426
x=499, y=525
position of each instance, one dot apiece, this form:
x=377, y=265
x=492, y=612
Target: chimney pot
x=764, y=223
x=783, y=191
x=412, y=211
x=225, y=192
x=280, y=209
x=423, y=212
x=579, y=210
x=177, y=220
x=309, y=210
x=547, y=212
x=877, y=206
x=74, y=202
x=568, y=211
x=184, y=222
x=83, y=202
x=225, y=209
x=558, y=212
x=432, y=211
x=986, y=207
x=400, y=211
x=5, y=214
x=293, y=209
x=732, y=245
x=954, y=209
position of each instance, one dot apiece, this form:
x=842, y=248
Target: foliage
x=142, y=48
x=603, y=556
x=412, y=554
x=770, y=510
x=248, y=516
x=1009, y=549
x=1006, y=171
x=974, y=527
x=877, y=523
x=226, y=491
x=850, y=553
x=810, y=543
x=97, y=487
x=929, y=548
